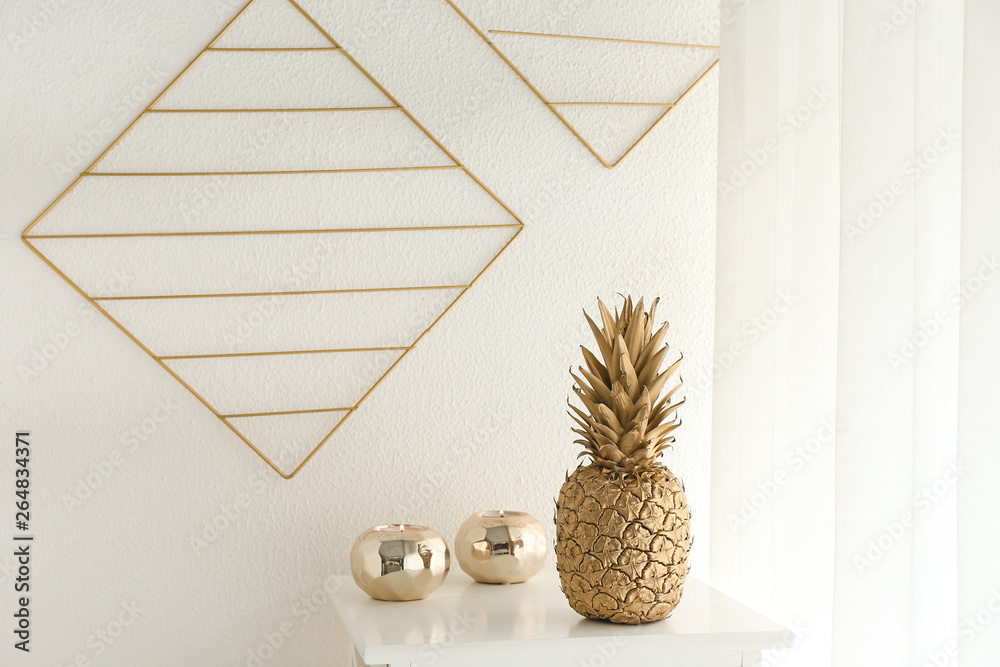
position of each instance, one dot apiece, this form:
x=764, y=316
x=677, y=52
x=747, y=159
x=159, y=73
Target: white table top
x=463, y=615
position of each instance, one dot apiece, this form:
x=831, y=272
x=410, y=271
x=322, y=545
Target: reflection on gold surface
x=397, y=562
x=501, y=547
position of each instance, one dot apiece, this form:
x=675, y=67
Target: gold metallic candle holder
x=501, y=547
x=400, y=562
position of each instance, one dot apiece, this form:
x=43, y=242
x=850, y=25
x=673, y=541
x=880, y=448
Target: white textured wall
x=472, y=419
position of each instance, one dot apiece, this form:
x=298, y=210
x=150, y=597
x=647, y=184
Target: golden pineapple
x=622, y=521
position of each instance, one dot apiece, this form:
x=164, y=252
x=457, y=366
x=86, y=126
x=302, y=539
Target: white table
x=465, y=624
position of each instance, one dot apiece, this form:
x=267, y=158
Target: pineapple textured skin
x=622, y=544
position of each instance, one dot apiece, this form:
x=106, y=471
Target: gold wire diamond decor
x=258, y=334
x=643, y=114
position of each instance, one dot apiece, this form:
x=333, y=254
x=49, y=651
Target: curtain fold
x=979, y=369
x=855, y=416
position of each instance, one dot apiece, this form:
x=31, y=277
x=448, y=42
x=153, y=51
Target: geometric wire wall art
x=610, y=92
x=291, y=231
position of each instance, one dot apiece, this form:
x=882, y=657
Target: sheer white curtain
x=856, y=443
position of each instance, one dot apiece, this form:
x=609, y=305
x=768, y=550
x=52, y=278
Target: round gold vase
x=501, y=547
x=400, y=562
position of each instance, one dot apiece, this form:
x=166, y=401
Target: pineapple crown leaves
x=625, y=423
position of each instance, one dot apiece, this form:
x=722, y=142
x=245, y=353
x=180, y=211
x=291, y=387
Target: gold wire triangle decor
x=183, y=364
x=560, y=108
